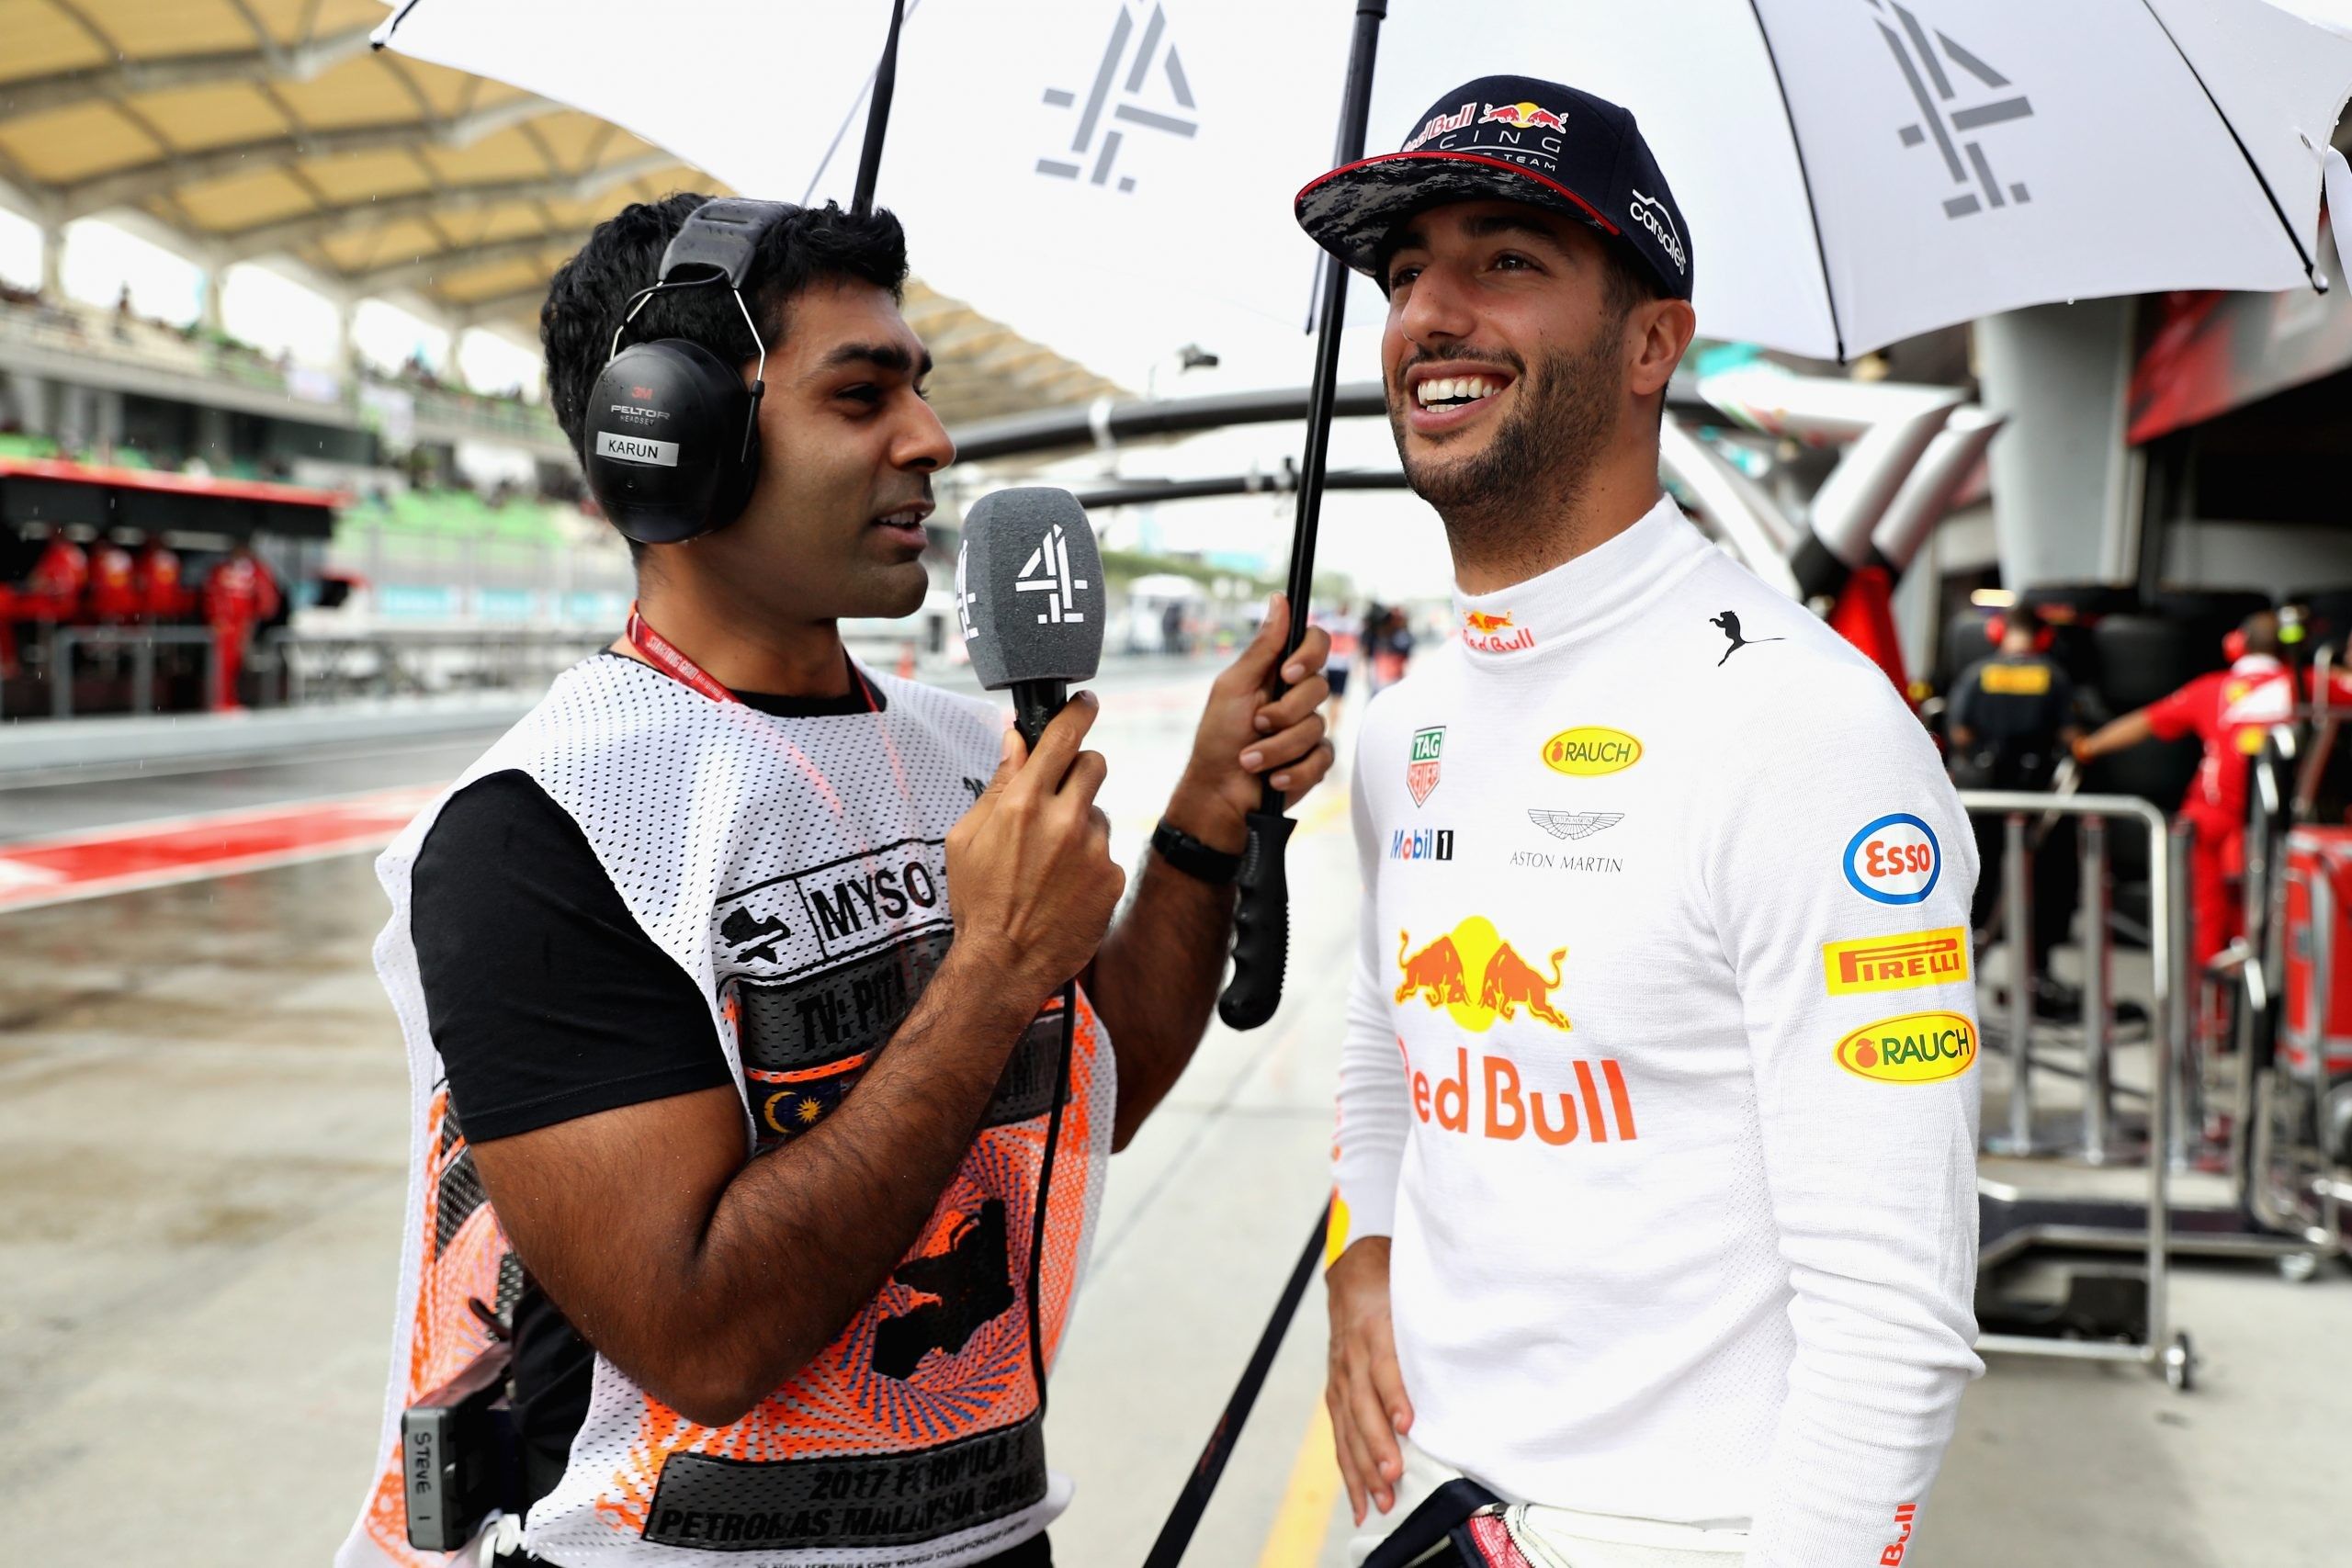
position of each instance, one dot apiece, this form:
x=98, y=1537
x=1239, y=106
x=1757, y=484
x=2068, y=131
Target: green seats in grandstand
x=458, y=514
x=23, y=444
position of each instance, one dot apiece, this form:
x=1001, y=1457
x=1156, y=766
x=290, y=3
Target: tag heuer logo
x=1420, y=773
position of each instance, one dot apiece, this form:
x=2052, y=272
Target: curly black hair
x=586, y=298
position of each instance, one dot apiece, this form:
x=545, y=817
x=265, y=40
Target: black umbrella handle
x=1262, y=923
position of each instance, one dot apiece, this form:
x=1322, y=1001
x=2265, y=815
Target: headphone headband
x=722, y=234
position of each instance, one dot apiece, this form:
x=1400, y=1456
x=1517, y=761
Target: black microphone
x=1029, y=592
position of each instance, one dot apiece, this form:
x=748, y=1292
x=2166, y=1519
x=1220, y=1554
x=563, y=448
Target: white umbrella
x=1853, y=171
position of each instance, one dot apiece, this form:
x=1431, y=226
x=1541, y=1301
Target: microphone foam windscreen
x=1029, y=588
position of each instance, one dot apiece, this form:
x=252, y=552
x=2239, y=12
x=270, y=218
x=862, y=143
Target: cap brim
x=1353, y=210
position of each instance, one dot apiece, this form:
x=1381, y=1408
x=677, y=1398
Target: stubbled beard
x=1539, y=459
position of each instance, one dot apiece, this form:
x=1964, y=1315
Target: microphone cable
x=1045, y=1189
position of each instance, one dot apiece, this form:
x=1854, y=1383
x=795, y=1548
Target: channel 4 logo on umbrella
x=1137, y=85
x=1939, y=71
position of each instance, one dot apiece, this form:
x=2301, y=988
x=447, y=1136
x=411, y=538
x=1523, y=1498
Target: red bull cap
x=1518, y=139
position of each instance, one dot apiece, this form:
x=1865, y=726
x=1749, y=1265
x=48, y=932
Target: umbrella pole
x=1262, y=923
x=878, y=116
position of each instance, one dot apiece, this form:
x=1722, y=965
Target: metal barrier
x=2152, y=1347
x=322, y=666
x=64, y=642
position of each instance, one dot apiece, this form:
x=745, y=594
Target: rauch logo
x=1591, y=750
x=1916, y=1047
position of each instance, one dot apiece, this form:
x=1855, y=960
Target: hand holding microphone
x=1029, y=867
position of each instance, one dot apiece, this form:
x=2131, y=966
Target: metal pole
x=62, y=640
x=2173, y=948
x=142, y=673
x=2016, y=871
x=2098, y=1073
x=2166, y=878
x=1261, y=918
x=877, y=117
x=2165, y=882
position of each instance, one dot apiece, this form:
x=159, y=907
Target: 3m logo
x=1916, y=1047
x=1895, y=962
x=1439, y=972
x=1133, y=88
x=1046, y=571
x=1422, y=768
x=1591, y=751
x=1922, y=62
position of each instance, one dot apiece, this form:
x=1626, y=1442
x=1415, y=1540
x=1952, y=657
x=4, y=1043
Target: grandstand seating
x=454, y=515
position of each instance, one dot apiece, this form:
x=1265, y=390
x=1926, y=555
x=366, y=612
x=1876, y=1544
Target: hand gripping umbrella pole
x=1262, y=923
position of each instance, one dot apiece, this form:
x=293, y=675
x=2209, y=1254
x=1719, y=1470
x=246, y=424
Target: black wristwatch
x=1194, y=858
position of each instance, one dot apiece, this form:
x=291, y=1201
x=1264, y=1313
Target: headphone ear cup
x=664, y=448
x=2234, y=645
x=1995, y=629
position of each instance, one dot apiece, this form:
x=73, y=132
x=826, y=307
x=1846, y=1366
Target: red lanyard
x=672, y=662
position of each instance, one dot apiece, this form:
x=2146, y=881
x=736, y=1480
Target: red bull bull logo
x=1523, y=117
x=1485, y=633
x=1508, y=984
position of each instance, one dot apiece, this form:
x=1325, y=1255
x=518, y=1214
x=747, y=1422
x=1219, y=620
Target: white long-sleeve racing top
x=1660, y=1062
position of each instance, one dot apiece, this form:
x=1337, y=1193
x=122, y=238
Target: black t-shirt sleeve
x=547, y=999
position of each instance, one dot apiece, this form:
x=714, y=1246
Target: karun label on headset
x=637, y=449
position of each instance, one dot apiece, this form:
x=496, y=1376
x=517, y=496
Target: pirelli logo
x=1895, y=962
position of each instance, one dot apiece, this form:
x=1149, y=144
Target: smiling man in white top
x=1655, y=1209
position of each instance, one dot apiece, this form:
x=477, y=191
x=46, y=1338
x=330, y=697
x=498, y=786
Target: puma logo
x=1728, y=623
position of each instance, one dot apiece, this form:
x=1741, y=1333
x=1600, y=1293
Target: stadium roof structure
x=261, y=130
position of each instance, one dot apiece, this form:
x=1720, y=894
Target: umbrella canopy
x=1853, y=171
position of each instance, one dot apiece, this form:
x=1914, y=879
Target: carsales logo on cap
x=1895, y=860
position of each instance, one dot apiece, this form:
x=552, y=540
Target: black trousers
x=2057, y=881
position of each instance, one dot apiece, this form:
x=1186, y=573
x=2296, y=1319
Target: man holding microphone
x=1655, y=1212
x=732, y=977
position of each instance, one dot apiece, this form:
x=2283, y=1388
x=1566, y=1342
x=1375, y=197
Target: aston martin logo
x=1574, y=824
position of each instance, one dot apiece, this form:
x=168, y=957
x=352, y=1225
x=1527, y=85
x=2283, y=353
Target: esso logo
x=1896, y=860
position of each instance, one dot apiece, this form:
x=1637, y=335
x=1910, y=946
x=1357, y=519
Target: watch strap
x=1194, y=858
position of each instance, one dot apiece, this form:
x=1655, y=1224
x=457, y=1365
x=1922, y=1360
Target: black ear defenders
x=673, y=445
